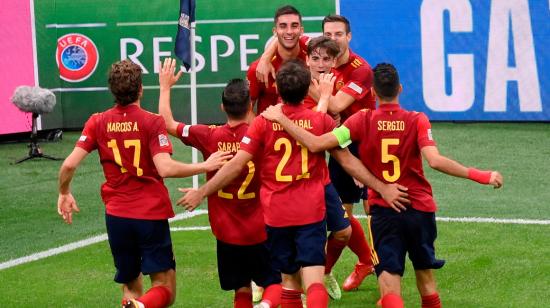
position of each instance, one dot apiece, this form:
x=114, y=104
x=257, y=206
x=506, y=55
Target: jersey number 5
x=241, y=192
x=136, y=144
x=386, y=158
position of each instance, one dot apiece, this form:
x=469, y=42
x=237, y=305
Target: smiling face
x=288, y=30
x=319, y=61
x=337, y=32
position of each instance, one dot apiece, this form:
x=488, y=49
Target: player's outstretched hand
x=496, y=179
x=263, y=70
x=65, y=207
x=396, y=196
x=273, y=113
x=167, y=78
x=191, y=199
x=217, y=160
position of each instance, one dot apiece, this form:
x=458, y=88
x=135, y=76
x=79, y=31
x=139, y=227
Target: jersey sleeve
x=329, y=122
x=424, y=128
x=356, y=124
x=197, y=136
x=88, y=138
x=360, y=82
x=252, y=140
x=158, y=137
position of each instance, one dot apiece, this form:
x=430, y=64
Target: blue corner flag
x=183, y=38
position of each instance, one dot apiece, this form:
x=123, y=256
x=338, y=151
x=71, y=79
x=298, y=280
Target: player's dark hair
x=293, y=79
x=236, y=98
x=125, y=82
x=286, y=10
x=386, y=81
x=323, y=42
x=336, y=18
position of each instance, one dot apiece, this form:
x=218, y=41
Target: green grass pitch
x=488, y=264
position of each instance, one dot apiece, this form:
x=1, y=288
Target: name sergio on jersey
x=305, y=124
x=232, y=147
x=391, y=126
x=122, y=127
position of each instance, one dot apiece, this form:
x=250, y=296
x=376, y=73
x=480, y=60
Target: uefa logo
x=76, y=57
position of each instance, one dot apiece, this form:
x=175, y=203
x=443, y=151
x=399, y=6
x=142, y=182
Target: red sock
x=242, y=300
x=392, y=300
x=431, y=301
x=358, y=242
x=272, y=295
x=156, y=297
x=317, y=296
x=334, y=250
x=291, y=298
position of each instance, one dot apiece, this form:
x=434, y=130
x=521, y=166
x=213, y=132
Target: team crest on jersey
x=339, y=84
x=76, y=57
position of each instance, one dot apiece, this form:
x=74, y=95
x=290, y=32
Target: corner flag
x=183, y=43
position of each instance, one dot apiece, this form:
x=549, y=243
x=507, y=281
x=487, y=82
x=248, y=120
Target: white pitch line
x=187, y=215
x=516, y=221
x=80, y=244
x=176, y=229
x=54, y=251
x=495, y=220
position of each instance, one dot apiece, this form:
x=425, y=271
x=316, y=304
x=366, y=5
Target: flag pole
x=193, y=76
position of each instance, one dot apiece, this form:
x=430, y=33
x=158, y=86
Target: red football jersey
x=265, y=97
x=355, y=78
x=292, y=178
x=390, y=140
x=308, y=102
x=127, y=138
x=235, y=213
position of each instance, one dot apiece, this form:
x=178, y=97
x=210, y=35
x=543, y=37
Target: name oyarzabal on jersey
x=303, y=123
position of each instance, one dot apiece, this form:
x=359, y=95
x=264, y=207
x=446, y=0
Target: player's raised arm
x=264, y=68
x=446, y=165
x=394, y=194
x=312, y=142
x=335, y=103
x=224, y=176
x=339, y=102
x=167, y=79
x=169, y=168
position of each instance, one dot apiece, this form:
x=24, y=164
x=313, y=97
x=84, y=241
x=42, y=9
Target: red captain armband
x=482, y=177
